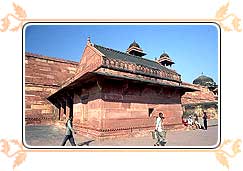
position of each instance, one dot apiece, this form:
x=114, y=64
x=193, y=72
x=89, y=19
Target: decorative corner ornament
x=224, y=156
x=223, y=19
x=12, y=150
x=19, y=17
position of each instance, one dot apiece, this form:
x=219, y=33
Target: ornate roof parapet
x=140, y=69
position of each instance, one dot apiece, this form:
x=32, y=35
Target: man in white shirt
x=160, y=132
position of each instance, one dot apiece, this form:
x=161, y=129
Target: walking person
x=205, y=122
x=159, y=130
x=69, y=132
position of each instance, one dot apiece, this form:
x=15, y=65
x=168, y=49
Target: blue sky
x=193, y=48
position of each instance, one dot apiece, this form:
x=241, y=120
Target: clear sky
x=193, y=48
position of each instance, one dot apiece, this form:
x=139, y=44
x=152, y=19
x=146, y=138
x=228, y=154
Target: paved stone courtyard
x=53, y=136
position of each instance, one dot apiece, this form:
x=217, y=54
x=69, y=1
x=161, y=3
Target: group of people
x=159, y=133
x=193, y=122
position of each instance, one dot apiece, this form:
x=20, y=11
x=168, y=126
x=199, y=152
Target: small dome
x=164, y=54
x=134, y=44
x=204, y=81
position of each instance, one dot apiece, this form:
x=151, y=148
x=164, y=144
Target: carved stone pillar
x=61, y=112
x=67, y=109
x=76, y=107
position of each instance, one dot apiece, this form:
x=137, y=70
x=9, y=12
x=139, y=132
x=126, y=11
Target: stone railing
x=140, y=69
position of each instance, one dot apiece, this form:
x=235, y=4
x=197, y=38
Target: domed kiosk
x=165, y=60
x=134, y=49
x=134, y=44
x=207, y=82
x=204, y=81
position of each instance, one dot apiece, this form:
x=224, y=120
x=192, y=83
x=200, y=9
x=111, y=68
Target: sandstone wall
x=201, y=96
x=43, y=76
x=120, y=107
x=199, y=101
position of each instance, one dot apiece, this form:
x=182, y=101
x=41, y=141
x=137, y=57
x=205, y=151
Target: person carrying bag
x=159, y=133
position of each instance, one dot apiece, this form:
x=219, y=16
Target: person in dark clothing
x=205, y=122
x=69, y=133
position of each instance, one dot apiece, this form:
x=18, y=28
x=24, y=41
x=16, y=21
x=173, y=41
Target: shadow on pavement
x=85, y=143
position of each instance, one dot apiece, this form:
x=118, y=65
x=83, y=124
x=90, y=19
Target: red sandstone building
x=108, y=93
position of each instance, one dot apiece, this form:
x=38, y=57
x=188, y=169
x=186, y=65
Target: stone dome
x=204, y=81
x=164, y=54
x=134, y=44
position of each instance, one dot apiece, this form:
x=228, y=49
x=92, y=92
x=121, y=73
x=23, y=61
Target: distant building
x=208, y=82
x=206, y=99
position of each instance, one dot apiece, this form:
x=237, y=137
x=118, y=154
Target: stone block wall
x=199, y=101
x=43, y=76
x=119, y=108
x=203, y=95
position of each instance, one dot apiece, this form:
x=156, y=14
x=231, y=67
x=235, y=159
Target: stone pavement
x=53, y=136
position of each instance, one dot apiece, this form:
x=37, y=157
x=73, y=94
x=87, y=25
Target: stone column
x=67, y=109
x=76, y=108
x=61, y=112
